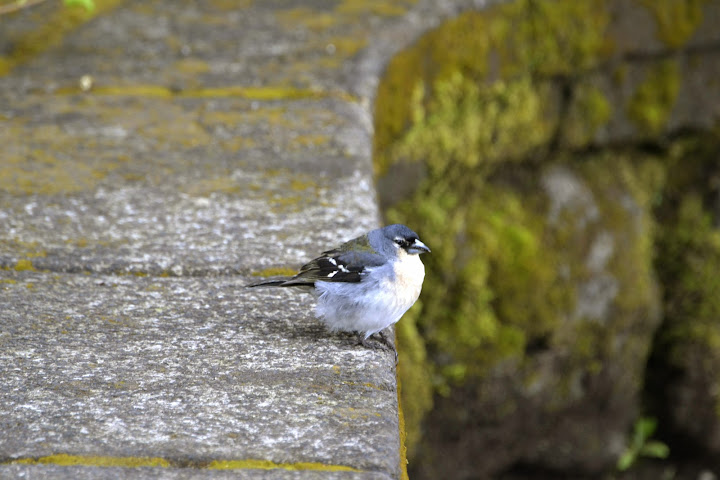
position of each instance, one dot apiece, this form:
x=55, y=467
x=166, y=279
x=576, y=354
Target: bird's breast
x=409, y=275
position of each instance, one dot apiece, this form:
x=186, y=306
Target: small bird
x=367, y=283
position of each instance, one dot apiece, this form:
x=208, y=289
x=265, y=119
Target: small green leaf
x=641, y=446
x=655, y=449
x=89, y=5
x=626, y=460
x=646, y=427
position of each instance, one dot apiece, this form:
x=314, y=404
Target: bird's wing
x=347, y=263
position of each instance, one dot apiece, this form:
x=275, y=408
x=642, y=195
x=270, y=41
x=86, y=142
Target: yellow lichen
x=310, y=140
x=345, y=46
x=299, y=185
x=275, y=272
x=224, y=184
x=314, y=20
x=191, y=66
x=375, y=7
x=278, y=92
x=230, y=5
x=269, y=465
x=24, y=265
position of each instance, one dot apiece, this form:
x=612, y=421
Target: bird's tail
x=284, y=282
x=275, y=282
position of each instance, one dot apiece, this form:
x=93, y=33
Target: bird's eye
x=399, y=241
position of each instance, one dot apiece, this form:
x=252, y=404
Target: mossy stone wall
x=540, y=148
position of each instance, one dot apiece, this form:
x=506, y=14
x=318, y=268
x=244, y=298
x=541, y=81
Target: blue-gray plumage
x=366, y=284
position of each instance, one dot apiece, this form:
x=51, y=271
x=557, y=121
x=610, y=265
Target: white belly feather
x=409, y=276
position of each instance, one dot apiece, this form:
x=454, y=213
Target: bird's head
x=401, y=237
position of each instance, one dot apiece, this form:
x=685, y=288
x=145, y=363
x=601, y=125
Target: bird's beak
x=418, y=247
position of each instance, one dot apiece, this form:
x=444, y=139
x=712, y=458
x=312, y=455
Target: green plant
x=16, y=5
x=88, y=5
x=641, y=445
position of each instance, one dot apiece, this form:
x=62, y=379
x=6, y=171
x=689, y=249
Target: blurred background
x=562, y=160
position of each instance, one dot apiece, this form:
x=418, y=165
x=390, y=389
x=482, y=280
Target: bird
x=366, y=284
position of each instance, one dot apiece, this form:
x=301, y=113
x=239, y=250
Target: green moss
x=403, y=432
x=522, y=39
x=555, y=37
x=588, y=112
x=473, y=103
x=676, y=20
x=414, y=377
x=696, y=295
x=504, y=293
x=687, y=263
x=652, y=102
x=468, y=125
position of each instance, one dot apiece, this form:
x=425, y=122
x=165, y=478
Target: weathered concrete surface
x=210, y=140
x=187, y=369
x=188, y=203
x=89, y=473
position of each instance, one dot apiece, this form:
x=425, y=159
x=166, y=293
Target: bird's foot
x=383, y=342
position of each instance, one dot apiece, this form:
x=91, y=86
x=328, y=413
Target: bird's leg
x=383, y=342
x=364, y=341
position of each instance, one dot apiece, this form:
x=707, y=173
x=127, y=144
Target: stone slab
x=184, y=186
x=93, y=473
x=186, y=369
